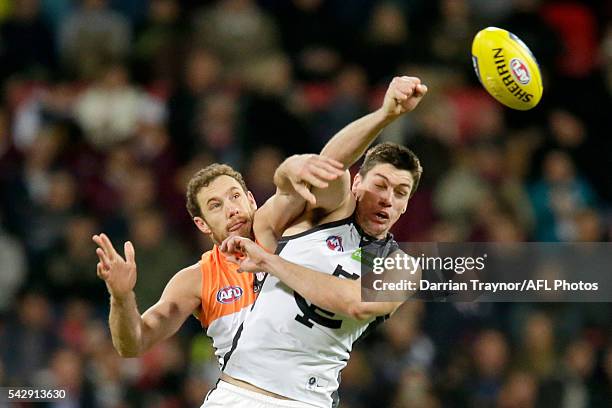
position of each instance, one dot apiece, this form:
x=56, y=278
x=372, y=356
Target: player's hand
x=249, y=256
x=306, y=170
x=403, y=95
x=118, y=273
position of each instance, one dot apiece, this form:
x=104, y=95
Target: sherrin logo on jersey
x=229, y=294
x=334, y=243
x=506, y=68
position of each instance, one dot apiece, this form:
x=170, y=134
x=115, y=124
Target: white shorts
x=227, y=395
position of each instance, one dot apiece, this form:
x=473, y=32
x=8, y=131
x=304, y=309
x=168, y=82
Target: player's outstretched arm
x=337, y=295
x=349, y=144
x=133, y=334
x=403, y=95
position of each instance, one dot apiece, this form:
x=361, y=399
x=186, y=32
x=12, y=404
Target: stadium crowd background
x=108, y=107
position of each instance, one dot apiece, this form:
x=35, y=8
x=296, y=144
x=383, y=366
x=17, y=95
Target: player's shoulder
x=212, y=259
x=185, y=284
x=189, y=274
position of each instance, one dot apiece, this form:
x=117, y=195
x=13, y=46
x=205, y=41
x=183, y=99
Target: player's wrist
x=385, y=116
x=272, y=264
x=122, y=299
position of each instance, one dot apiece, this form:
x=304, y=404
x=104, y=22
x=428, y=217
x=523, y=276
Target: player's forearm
x=337, y=295
x=126, y=326
x=350, y=143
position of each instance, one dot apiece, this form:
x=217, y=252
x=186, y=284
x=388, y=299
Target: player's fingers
x=305, y=193
x=233, y=259
x=101, y=272
x=233, y=247
x=332, y=162
x=103, y=258
x=324, y=172
x=420, y=90
x=400, y=95
x=225, y=245
x=334, y=172
x=108, y=246
x=414, y=80
x=130, y=253
x=313, y=180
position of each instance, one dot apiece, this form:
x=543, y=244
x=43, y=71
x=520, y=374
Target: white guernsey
x=286, y=334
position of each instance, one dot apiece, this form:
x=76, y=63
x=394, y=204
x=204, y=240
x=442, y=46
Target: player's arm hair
x=133, y=334
x=335, y=294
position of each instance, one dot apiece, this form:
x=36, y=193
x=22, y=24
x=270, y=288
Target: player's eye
x=402, y=193
x=236, y=195
x=214, y=205
x=380, y=186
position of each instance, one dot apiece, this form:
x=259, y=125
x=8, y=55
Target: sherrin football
x=507, y=68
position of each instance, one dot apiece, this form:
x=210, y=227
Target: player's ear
x=357, y=180
x=202, y=225
x=252, y=200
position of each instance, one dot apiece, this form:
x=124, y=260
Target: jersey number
x=310, y=311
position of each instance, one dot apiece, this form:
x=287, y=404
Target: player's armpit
x=180, y=298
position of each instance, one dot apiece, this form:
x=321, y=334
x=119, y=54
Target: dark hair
x=396, y=155
x=203, y=178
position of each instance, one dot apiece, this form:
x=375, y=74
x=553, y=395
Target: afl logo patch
x=229, y=294
x=520, y=71
x=335, y=243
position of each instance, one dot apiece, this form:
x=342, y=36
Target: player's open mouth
x=381, y=216
x=236, y=226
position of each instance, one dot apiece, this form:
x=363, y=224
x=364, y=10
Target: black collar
x=367, y=239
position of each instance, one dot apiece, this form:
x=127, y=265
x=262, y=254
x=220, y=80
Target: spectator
x=70, y=262
x=537, y=351
x=29, y=340
x=92, y=35
x=238, y=31
x=490, y=356
x=67, y=372
x=201, y=77
x=519, y=390
x=111, y=109
x=157, y=44
x=267, y=118
x=557, y=196
x=309, y=37
x=159, y=255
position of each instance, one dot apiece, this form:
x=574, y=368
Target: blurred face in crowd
x=227, y=210
x=382, y=196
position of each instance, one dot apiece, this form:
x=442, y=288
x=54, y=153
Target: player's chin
x=376, y=229
x=243, y=231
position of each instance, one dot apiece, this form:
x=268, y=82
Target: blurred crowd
x=109, y=106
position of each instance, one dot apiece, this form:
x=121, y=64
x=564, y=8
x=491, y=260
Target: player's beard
x=245, y=230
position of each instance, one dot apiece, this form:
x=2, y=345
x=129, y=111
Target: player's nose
x=231, y=210
x=384, y=197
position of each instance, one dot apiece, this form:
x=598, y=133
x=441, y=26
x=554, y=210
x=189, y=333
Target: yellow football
x=506, y=68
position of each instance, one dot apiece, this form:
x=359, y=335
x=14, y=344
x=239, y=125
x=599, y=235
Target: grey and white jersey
x=289, y=346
